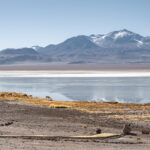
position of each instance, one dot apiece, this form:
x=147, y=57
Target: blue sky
x=42, y=22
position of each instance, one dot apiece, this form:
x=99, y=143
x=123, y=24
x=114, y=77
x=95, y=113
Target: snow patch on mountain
x=121, y=34
x=122, y=38
x=36, y=47
x=139, y=43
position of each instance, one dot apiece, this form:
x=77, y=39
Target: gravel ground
x=18, y=118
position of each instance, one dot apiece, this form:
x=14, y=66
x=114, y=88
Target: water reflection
x=129, y=90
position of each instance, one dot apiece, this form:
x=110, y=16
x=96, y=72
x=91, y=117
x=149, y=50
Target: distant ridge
x=117, y=47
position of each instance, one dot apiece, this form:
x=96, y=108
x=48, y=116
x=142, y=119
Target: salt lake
x=129, y=87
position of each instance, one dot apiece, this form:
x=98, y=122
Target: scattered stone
x=25, y=95
x=84, y=126
x=2, y=95
x=49, y=98
x=111, y=102
x=9, y=94
x=14, y=95
x=98, y=131
x=30, y=96
x=126, y=129
x=7, y=123
x=145, y=131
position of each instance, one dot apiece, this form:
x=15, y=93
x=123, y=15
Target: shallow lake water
x=78, y=86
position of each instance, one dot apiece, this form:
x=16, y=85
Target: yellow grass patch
x=91, y=107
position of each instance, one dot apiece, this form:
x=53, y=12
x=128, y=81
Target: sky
x=25, y=23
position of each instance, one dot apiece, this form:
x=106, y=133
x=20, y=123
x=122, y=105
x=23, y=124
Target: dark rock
x=8, y=123
x=126, y=129
x=98, y=131
x=49, y=98
x=145, y=131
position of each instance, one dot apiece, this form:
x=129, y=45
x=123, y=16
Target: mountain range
x=117, y=47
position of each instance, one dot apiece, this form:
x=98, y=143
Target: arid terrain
x=24, y=115
x=59, y=66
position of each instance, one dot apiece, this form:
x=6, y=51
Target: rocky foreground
x=22, y=114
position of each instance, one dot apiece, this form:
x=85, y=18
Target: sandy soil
x=30, y=119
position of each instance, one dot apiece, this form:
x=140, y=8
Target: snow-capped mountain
x=117, y=47
x=119, y=39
